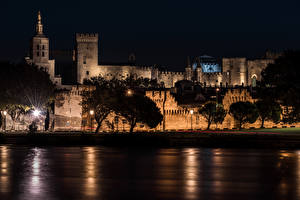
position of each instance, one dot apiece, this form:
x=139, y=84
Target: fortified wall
x=69, y=116
x=68, y=110
x=169, y=78
x=217, y=79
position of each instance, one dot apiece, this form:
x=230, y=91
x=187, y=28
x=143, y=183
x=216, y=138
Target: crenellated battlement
x=146, y=68
x=87, y=37
x=211, y=74
x=171, y=73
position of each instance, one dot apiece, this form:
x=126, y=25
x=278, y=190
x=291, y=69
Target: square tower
x=86, y=55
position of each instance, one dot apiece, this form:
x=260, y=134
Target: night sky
x=161, y=32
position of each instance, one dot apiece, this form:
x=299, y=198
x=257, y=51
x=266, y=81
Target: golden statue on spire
x=39, y=17
x=39, y=26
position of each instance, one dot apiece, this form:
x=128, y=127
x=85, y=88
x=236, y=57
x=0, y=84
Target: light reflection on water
x=191, y=173
x=35, y=175
x=4, y=174
x=91, y=164
x=162, y=173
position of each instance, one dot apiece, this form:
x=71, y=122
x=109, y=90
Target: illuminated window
x=253, y=80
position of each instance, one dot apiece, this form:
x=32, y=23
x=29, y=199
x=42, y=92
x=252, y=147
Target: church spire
x=39, y=25
x=189, y=62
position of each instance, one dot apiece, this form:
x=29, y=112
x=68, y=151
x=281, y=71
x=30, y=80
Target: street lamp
x=91, y=114
x=33, y=125
x=36, y=113
x=217, y=92
x=191, y=112
x=129, y=92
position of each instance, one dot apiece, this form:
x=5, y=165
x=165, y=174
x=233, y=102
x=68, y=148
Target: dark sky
x=162, y=32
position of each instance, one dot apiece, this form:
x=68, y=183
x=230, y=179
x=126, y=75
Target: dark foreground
x=93, y=172
x=286, y=138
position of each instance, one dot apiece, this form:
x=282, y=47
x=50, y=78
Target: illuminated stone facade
x=69, y=116
x=204, y=70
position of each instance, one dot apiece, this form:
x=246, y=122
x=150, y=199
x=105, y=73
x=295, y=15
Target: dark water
x=121, y=173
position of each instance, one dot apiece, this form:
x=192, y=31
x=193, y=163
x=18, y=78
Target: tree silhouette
x=24, y=87
x=213, y=113
x=138, y=108
x=243, y=112
x=101, y=96
x=282, y=79
x=268, y=111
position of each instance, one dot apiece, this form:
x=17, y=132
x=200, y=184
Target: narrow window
x=43, y=54
x=38, y=53
x=87, y=73
x=38, y=46
x=84, y=59
x=43, y=47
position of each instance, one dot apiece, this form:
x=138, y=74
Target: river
x=93, y=172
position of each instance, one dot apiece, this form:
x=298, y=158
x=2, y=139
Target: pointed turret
x=188, y=70
x=189, y=62
x=39, y=25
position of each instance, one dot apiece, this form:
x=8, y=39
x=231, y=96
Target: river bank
x=224, y=139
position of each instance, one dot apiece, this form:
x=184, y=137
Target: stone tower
x=86, y=55
x=199, y=73
x=188, y=70
x=39, y=52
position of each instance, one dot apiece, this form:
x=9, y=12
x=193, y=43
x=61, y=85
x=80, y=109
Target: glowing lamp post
x=129, y=92
x=191, y=112
x=91, y=115
x=217, y=92
x=36, y=113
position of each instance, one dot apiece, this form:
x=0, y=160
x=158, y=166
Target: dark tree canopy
x=268, y=111
x=281, y=81
x=243, y=112
x=24, y=87
x=213, y=113
x=138, y=108
x=122, y=97
x=220, y=114
x=101, y=96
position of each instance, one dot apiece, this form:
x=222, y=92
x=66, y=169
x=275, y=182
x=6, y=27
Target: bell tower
x=39, y=51
x=40, y=44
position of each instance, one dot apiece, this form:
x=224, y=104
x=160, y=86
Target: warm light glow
x=91, y=112
x=36, y=113
x=218, y=89
x=91, y=171
x=192, y=112
x=191, y=173
x=4, y=113
x=129, y=92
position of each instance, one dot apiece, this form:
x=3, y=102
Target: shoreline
x=209, y=139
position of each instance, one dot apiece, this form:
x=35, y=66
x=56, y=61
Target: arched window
x=253, y=80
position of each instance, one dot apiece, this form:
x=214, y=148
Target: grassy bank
x=261, y=138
